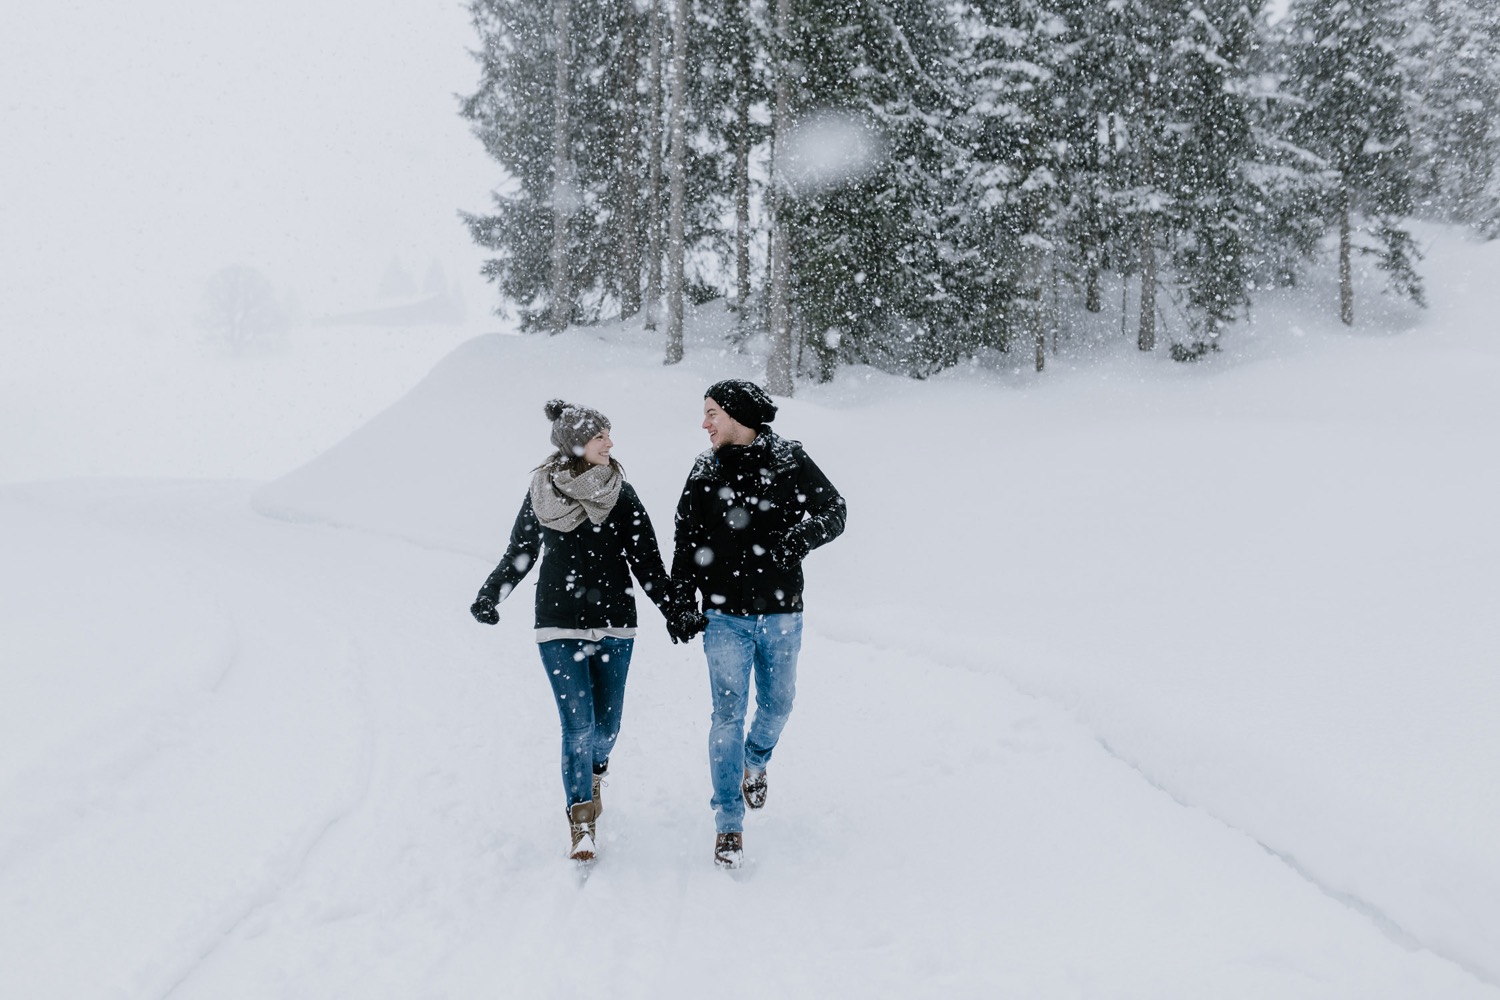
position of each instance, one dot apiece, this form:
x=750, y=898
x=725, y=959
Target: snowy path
x=341, y=787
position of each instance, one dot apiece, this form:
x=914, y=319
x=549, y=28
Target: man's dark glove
x=684, y=622
x=484, y=611
x=788, y=550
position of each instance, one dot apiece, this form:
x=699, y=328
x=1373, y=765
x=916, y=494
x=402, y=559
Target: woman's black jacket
x=747, y=516
x=584, y=581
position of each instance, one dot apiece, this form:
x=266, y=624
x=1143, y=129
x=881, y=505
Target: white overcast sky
x=148, y=144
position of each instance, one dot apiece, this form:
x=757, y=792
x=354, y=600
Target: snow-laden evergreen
x=1452, y=51
x=1352, y=88
x=1201, y=151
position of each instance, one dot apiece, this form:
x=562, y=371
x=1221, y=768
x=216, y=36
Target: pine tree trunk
x=627, y=178
x=561, y=197
x=1091, y=259
x=678, y=191
x=1146, y=337
x=742, y=160
x=1346, y=278
x=653, y=171
x=1032, y=304
x=1054, y=307
x=1146, y=135
x=779, y=364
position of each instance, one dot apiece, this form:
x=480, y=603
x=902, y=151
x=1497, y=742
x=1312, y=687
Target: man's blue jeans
x=588, y=682
x=736, y=647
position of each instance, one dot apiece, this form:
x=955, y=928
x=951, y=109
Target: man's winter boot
x=729, y=850
x=754, y=787
x=581, y=829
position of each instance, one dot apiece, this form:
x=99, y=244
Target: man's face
x=722, y=428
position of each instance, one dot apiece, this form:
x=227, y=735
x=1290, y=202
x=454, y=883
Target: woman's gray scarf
x=562, y=501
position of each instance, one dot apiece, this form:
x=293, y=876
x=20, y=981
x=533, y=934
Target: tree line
x=904, y=183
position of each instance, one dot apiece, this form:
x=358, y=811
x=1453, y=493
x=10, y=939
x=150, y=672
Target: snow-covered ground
x=1131, y=679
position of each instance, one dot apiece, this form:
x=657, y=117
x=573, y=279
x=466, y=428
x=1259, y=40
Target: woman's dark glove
x=684, y=622
x=484, y=611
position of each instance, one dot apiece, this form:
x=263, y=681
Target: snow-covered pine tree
x=630, y=155
x=676, y=181
x=1094, y=82
x=744, y=38
x=1353, y=93
x=743, y=134
x=1141, y=98
x=1209, y=144
x=1453, y=54
x=565, y=187
x=605, y=157
x=1016, y=74
x=780, y=377
x=585, y=162
x=653, y=132
x=511, y=114
x=727, y=67
x=869, y=248
x=1283, y=227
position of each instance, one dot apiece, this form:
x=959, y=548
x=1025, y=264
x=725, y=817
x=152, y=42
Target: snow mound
x=447, y=464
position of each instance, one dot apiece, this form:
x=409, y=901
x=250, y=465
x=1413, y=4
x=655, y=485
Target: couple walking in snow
x=753, y=507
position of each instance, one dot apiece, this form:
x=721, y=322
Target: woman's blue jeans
x=738, y=646
x=588, y=682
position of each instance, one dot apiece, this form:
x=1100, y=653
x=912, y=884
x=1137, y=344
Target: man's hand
x=484, y=611
x=788, y=550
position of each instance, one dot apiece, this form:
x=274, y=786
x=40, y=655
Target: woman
x=588, y=526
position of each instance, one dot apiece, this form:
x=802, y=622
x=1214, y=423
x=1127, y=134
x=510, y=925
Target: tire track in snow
x=296, y=859
x=262, y=713
x=1382, y=921
x=1388, y=926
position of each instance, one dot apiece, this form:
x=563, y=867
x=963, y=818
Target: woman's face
x=596, y=452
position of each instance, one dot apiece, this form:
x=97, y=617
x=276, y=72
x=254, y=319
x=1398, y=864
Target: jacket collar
x=780, y=455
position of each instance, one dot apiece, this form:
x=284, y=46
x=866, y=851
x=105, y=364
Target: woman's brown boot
x=581, y=829
x=599, y=777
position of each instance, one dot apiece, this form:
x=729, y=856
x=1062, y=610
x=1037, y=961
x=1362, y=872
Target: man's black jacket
x=747, y=516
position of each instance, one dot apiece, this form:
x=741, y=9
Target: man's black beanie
x=744, y=401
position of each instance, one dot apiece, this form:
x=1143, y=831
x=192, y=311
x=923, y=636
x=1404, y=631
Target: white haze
x=149, y=144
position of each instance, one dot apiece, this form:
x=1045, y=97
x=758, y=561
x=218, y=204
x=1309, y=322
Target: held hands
x=685, y=621
x=484, y=611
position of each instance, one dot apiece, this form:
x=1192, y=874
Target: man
x=753, y=507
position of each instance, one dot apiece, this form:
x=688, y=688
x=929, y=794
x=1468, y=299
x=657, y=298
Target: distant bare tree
x=239, y=308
